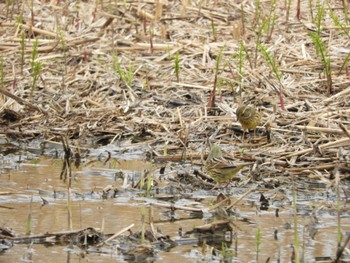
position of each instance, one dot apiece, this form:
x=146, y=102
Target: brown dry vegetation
x=80, y=93
x=107, y=73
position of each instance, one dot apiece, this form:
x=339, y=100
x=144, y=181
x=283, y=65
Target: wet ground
x=32, y=184
x=157, y=81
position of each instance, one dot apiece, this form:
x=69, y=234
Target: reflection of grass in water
x=258, y=242
x=339, y=234
x=149, y=185
x=146, y=182
x=69, y=209
x=226, y=253
x=35, y=161
x=143, y=227
x=296, y=236
x=340, y=247
x=29, y=218
x=142, y=181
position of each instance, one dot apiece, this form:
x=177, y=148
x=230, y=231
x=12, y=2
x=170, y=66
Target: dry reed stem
x=81, y=93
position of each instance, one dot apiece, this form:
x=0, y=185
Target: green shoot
x=287, y=13
x=241, y=54
x=19, y=20
x=64, y=49
x=311, y=10
x=337, y=22
x=145, y=85
x=319, y=17
x=226, y=253
x=2, y=73
x=260, y=30
x=130, y=74
x=19, y=23
x=211, y=102
x=345, y=11
x=242, y=19
x=262, y=24
x=151, y=36
x=34, y=52
x=257, y=14
x=223, y=249
x=271, y=61
x=35, y=66
x=273, y=64
x=320, y=46
x=344, y=29
x=324, y=57
x=271, y=20
x=213, y=30
x=257, y=29
x=344, y=64
x=218, y=63
x=23, y=46
x=36, y=69
x=126, y=75
x=10, y=4
x=32, y=11
x=177, y=65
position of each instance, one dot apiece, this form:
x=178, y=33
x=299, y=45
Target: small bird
x=223, y=172
x=249, y=117
x=220, y=169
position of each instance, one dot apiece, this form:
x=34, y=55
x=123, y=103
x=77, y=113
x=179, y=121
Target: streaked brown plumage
x=248, y=116
x=218, y=168
x=223, y=172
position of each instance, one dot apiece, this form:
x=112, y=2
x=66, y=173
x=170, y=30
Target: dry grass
x=81, y=94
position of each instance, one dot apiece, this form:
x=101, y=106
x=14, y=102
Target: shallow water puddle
x=41, y=181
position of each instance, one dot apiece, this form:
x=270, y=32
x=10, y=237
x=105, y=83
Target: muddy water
x=39, y=179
